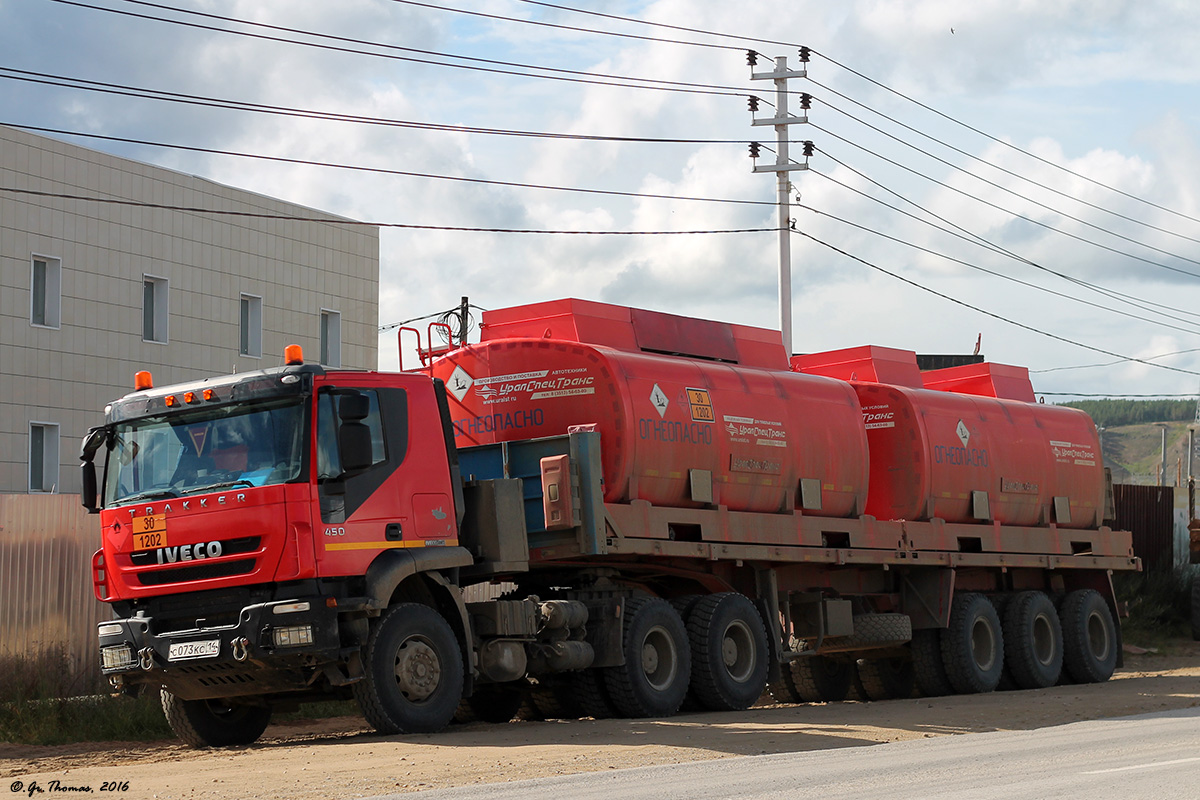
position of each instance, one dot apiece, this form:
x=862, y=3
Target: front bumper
x=277, y=646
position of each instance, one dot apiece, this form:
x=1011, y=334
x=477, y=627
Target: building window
x=251, y=326
x=43, y=457
x=331, y=338
x=45, y=292
x=154, y=309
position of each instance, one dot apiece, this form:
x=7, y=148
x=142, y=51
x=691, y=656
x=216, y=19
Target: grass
x=43, y=700
x=1159, y=605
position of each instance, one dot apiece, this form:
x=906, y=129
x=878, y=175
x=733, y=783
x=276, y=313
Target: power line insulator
x=808, y=149
x=751, y=57
x=753, y=103
x=754, y=147
x=804, y=55
x=805, y=101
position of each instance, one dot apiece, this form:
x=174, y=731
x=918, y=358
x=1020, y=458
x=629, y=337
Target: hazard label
x=702, y=410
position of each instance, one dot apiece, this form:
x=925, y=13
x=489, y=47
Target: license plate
x=181, y=651
x=149, y=532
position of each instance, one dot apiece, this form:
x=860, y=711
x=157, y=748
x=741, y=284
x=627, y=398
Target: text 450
x=335, y=531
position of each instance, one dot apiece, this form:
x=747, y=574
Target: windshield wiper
x=152, y=494
x=216, y=487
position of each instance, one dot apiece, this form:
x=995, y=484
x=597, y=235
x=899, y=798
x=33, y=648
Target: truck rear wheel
x=928, y=668
x=886, y=678
x=654, y=678
x=729, y=652
x=413, y=679
x=1033, y=641
x=973, y=645
x=1089, y=637
x=494, y=704
x=214, y=723
x=819, y=679
x=592, y=694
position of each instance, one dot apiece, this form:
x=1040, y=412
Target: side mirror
x=87, y=453
x=87, y=493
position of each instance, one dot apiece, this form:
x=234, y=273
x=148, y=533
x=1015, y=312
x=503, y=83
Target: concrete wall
x=66, y=374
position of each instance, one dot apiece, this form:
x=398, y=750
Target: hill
x=1131, y=437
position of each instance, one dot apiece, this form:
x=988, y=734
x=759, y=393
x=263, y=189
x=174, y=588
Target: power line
x=985, y=312
x=293, y=218
x=993, y=184
x=1114, y=363
x=384, y=171
x=997, y=167
x=611, y=80
x=657, y=24
x=1000, y=141
x=993, y=273
x=980, y=241
x=541, y=24
x=1009, y=211
x=1110, y=394
x=239, y=105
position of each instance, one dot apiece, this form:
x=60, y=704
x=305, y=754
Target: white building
x=91, y=292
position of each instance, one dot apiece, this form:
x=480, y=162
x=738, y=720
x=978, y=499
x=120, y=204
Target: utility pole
x=783, y=168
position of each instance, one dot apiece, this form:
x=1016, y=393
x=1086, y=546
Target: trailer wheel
x=784, y=690
x=590, y=691
x=413, y=677
x=886, y=678
x=928, y=668
x=495, y=704
x=729, y=652
x=1033, y=641
x=1089, y=637
x=214, y=723
x=819, y=679
x=973, y=645
x=654, y=678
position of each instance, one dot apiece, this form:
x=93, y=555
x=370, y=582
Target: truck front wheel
x=413, y=679
x=214, y=723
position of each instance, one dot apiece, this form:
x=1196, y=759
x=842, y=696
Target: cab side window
x=329, y=420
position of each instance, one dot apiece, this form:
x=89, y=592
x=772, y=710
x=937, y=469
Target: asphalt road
x=1148, y=757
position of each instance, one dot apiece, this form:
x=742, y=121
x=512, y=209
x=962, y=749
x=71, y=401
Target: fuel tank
x=968, y=458
x=675, y=430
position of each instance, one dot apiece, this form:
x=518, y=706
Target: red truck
x=605, y=510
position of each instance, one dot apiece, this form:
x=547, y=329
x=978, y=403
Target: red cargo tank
x=758, y=432
x=937, y=454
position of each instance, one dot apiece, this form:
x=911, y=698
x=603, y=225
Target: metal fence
x=46, y=600
x=1148, y=513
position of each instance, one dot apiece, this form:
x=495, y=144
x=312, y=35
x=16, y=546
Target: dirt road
x=341, y=758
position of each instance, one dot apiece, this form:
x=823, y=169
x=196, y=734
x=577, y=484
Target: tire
x=590, y=691
x=729, y=652
x=822, y=680
x=494, y=704
x=413, y=676
x=929, y=670
x=973, y=645
x=553, y=701
x=214, y=723
x=654, y=678
x=1196, y=607
x=1033, y=641
x=1089, y=637
x=886, y=678
x=784, y=690
x=872, y=631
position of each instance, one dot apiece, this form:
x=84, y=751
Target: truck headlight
x=293, y=636
x=117, y=657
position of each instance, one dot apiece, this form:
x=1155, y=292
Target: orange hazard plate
x=149, y=532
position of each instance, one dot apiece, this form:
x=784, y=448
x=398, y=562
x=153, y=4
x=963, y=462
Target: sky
x=1058, y=140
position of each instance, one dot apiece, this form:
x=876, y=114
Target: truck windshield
x=215, y=448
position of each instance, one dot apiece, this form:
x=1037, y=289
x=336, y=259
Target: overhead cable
x=985, y=312
x=384, y=171
x=335, y=221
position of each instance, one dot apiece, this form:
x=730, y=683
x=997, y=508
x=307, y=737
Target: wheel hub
x=418, y=669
